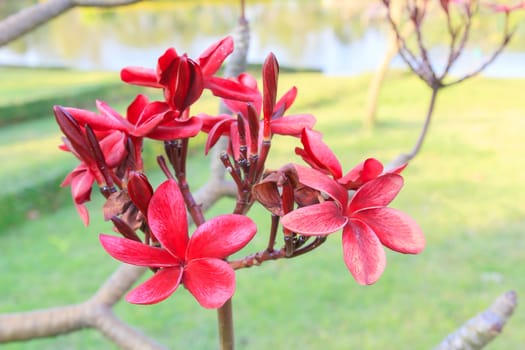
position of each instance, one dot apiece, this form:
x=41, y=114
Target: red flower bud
x=140, y=191
x=182, y=79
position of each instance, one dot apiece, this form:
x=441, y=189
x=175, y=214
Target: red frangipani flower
x=184, y=79
x=197, y=262
x=319, y=156
x=273, y=122
x=366, y=221
x=112, y=148
x=82, y=178
x=143, y=119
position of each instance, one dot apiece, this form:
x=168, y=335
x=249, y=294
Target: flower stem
x=225, y=321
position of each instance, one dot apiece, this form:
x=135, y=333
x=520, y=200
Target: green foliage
x=465, y=189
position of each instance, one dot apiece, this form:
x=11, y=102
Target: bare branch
x=480, y=330
x=31, y=17
x=117, y=284
x=120, y=333
x=41, y=323
x=96, y=313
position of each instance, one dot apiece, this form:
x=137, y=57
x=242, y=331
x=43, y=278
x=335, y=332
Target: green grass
x=465, y=189
x=32, y=166
x=29, y=94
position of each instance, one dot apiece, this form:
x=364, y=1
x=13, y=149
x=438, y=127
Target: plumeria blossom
x=366, y=221
x=273, y=112
x=319, y=156
x=82, y=178
x=197, y=262
x=183, y=79
x=112, y=152
x=143, y=119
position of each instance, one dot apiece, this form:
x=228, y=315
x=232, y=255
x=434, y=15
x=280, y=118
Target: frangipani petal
x=395, y=229
x=135, y=108
x=167, y=218
x=209, y=121
x=292, y=125
x=399, y=169
x=314, y=220
x=81, y=181
x=220, y=237
x=211, y=59
x=221, y=128
x=83, y=213
x=362, y=251
x=376, y=193
x=135, y=253
x=321, y=182
x=165, y=66
x=140, y=76
x=114, y=148
x=361, y=173
x=249, y=83
x=285, y=102
x=97, y=121
x=177, y=129
x=230, y=89
x=158, y=288
x=210, y=281
x=324, y=157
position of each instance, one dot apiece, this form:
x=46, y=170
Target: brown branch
x=480, y=330
x=41, y=323
x=94, y=313
x=120, y=333
x=31, y=17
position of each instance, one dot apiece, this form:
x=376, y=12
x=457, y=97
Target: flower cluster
x=313, y=201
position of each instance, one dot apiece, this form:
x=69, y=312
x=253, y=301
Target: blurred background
x=335, y=37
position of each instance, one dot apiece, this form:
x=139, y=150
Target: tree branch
x=95, y=313
x=31, y=17
x=480, y=330
x=406, y=157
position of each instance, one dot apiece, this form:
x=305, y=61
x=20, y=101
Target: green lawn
x=465, y=189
